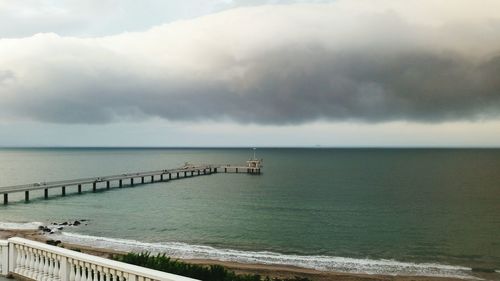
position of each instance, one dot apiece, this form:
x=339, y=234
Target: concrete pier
x=253, y=167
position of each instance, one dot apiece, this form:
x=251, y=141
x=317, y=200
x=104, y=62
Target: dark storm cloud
x=295, y=70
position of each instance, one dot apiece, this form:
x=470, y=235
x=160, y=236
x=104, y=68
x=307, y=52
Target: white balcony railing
x=42, y=262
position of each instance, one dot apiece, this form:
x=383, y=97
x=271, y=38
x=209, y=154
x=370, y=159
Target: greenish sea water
x=395, y=211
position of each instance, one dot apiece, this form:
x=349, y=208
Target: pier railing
x=187, y=171
x=42, y=262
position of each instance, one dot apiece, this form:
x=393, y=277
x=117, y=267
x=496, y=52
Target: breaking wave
x=323, y=263
x=20, y=225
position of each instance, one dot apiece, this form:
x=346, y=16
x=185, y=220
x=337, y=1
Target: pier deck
x=144, y=177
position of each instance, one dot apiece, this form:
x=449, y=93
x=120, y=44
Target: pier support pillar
x=192, y=173
x=198, y=172
x=46, y=193
x=120, y=183
x=5, y=198
x=225, y=170
x=107, y=184
x=63, y=191
x=142, y=179
x=169, y=176
x=161, y=177
x=236, y=170
x=215, y=170
x=94, y=187
x=152, y=178
x=79, y=189
x=185, y=174
x=132, y=181
x=27, y=196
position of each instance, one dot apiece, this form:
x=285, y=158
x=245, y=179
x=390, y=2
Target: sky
x=339, y=73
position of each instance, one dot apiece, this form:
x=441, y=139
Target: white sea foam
x=19, y=225
x=325, y=263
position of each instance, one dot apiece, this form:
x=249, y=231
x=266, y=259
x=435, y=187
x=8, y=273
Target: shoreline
x=282, y=271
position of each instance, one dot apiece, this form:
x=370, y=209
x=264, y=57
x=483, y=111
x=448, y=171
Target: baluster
x=106, y=273
x=72, y=267
x=50, y=272
x=112, y=274
x=45, y=269
x=38, y=265
x=78, y=276
x=85, y=272
x=34, y=266
x=44, y=265
x=100, y=273
x=24, y=260
x=27, y=261
x=130, y=277
x=89, y=271
x=140, y=278
x=57, y=267
x=41, y=263
x=29, y=264
x=19, y=256
x=94, y=272
x=119, y=276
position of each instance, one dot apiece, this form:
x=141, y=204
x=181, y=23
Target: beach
x=281, y=271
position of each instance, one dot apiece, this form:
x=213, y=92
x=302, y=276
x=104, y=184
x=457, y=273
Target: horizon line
x=245, y=147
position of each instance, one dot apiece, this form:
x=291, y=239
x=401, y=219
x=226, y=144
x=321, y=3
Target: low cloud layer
x=369, y=61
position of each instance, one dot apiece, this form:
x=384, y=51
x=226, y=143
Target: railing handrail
x=99, y=261
x=58, y=183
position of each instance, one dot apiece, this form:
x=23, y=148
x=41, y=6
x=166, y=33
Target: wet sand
x=264, y=270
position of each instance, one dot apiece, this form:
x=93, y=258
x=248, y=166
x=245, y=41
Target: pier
x=253, y=167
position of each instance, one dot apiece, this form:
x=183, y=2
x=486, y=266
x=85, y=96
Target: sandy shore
x=264, y=270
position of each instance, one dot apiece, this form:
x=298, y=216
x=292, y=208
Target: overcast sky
x=250, y=73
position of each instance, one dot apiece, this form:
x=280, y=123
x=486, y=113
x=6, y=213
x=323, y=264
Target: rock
x=41, y=227
x=76, y=223
x=46, y=229
x=53, y=242
x=60, y=228
x=64, y=223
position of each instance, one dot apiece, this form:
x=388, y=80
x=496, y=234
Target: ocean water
x=432, y=212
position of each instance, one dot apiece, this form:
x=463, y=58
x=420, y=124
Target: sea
x=426, y=212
